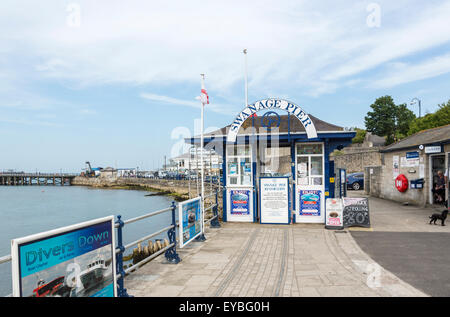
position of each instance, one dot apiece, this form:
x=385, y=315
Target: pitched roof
x=430, y=136
x=293, y=123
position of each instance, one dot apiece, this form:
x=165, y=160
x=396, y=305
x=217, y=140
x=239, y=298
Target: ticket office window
x=310, y=164
x=239, y=165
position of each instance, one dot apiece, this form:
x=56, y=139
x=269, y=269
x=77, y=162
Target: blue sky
x=115, y=82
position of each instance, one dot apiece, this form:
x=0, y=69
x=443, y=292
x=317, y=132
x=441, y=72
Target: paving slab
x=247, y=259
x=402, y=241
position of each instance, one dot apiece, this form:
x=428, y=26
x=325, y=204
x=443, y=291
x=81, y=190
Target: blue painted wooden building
x=262, y=141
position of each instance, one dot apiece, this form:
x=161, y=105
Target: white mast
x=201, y=152
x=245, y=75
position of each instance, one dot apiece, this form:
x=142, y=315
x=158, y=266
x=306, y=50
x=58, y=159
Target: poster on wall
x=232, y=169
x=395, y=166
x=190, y=214
x=74, y=261
x=274, y=200
x=310, y=201
x=240, y=202
x=421, y=170
x=334, y=213
x=356, y=212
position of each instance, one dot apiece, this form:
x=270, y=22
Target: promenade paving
x=246, y=259
x=403, y=242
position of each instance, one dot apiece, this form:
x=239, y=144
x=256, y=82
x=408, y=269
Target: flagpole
x=202, y=237
x=245, y=76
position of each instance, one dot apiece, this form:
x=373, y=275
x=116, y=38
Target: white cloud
x=158, y=99
x=306, y=47
x=427, y=69
x=166, y=99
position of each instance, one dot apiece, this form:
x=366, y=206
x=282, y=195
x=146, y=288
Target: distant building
x=108, y=172
x=191, y=161
x=127, y=172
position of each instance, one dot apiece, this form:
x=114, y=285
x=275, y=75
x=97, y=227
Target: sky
x=115, y=82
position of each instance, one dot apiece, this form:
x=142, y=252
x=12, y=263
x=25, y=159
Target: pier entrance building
x=276, y=139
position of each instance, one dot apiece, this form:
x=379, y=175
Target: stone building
x=417, y=157
x=356, y=156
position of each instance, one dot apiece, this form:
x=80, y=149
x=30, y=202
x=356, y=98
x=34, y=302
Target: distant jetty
x=23, y=179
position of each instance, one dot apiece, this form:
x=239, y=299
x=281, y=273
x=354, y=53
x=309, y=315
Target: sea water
x=26, y=210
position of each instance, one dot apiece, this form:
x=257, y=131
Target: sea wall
x=178, y=189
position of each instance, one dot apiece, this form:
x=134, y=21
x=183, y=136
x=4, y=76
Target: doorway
x=310, y=185
x=437, y=163
x=239, y=180
x=273, y=160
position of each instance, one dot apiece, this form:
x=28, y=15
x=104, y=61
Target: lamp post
x=414, y=100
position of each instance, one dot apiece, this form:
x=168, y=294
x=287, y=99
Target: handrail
x=210, y=207
x=144, y=216
x=5, y=258
x=211, y=219
x=169, y=250
x=154, y=255
x=149, y=236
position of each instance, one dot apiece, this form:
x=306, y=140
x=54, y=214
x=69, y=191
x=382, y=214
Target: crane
x=89, y=171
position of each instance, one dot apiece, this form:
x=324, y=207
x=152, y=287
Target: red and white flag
x=204, y=95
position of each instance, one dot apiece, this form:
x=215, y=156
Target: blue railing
x=169, y=250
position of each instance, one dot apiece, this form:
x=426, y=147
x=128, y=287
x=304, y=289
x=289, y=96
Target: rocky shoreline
x=178, y=189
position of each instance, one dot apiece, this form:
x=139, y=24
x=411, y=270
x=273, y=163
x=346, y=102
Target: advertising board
x=274, y=200
x=356, y=212
x=334, y=213
x=190, y=220
x=73, y=261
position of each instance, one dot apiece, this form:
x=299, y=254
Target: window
x=310, y=164
x=239, y=165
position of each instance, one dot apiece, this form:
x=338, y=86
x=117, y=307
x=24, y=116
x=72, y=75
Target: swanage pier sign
x=272, y=103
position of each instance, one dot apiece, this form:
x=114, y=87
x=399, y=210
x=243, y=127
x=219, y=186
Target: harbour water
x=26, y=210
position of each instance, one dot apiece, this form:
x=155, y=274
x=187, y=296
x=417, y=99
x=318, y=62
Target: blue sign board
x=310, y=201
x=190, y=215
x=240, y=202
x=75, y=261
x=410, y=155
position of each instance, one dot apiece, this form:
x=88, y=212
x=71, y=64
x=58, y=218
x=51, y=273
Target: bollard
x=215, y=222
x=121, y=292
x=171, y=254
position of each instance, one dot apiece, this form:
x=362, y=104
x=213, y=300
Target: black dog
x=441, y=217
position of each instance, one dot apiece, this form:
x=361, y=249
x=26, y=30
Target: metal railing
x=169, y=250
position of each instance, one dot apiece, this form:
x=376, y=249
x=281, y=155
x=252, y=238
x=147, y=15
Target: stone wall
x=373, y=180
x=381, y=182
x=355, y=159
x=178, y=189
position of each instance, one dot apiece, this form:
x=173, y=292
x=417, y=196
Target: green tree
x=404, y=119
x=388, y=119
x=360, y=135
x=432, y=120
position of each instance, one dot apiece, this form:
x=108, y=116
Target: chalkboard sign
x=356, y=212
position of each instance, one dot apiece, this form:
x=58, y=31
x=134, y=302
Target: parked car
x=162, y=174
x=355, y=181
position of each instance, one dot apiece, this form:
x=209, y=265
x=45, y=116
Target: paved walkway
x=390, y=216
x=403, y=242
x=268, y=260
